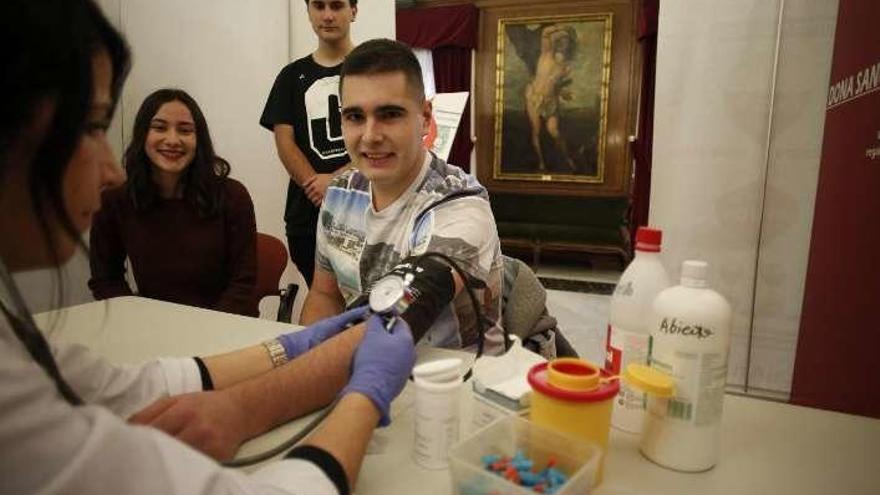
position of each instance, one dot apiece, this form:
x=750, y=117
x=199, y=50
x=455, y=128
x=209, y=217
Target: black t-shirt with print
x=306, y=96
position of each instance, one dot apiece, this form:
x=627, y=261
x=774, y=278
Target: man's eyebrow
x=391, y=108
x=380, y=109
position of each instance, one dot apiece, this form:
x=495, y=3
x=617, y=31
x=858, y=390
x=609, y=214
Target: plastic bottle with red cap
x=629, y=334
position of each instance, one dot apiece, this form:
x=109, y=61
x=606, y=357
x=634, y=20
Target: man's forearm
x=300, y=386
x=318, y=306
x=234, y=367
x=293, y=159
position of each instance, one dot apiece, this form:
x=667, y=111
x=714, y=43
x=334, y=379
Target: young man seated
x=400, y=202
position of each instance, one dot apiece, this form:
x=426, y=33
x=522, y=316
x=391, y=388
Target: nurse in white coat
x=66, y=423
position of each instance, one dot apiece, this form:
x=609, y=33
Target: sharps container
x=574, y=397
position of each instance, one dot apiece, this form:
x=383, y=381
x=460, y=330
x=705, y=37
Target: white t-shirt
x=444, y=210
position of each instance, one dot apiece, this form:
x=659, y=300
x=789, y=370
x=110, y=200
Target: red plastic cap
x=608, y=388
x=648, y=239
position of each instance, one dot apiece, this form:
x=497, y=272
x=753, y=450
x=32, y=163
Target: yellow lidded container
x=574, y=397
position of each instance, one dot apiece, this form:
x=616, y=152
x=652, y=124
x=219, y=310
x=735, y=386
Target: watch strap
x=276, y=351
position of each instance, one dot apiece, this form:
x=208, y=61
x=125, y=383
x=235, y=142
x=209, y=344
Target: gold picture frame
x=553, y=74
x=568, y=71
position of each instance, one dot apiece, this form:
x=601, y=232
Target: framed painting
x=551, y=97
x=556, y=114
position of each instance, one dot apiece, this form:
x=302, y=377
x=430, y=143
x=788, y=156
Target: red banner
x=836, y=364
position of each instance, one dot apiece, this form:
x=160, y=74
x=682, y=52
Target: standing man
x=400, y=201
x=303, y=113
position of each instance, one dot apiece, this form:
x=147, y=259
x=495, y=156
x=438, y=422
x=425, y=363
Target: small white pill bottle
x=437, y=413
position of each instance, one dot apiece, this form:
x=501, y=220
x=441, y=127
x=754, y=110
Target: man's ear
x=427, y=115
x=354, y=13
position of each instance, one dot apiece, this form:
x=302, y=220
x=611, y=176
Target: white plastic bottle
x=437, y=385
x=690, y=333
x=628, y=331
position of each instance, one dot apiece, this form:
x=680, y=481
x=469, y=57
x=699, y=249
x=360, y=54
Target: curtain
x=426, y=62
x=451, y=34
x=641, y=195
x=454, y=25
x=452, y=72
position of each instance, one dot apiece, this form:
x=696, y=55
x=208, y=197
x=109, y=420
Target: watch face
x=386, y=293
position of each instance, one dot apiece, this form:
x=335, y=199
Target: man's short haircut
x=382, y=56
x=353, y=3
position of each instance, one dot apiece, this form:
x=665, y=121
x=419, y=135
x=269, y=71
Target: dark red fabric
x=648, y=18
x=835, y=364
x=641, y=190
x=451, y=34
x=454, y=25
x=452, y=73
x=176, y=255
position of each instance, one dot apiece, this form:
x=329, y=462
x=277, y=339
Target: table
x=767, y=447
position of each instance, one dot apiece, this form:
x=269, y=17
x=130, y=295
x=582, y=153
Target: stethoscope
x=389, y=297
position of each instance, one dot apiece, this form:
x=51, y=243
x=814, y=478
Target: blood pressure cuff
x=430, y=289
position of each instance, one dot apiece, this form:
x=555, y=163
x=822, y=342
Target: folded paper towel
x=502, y=379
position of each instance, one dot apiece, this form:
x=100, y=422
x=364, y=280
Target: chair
x=271, y=262
x=524, y=311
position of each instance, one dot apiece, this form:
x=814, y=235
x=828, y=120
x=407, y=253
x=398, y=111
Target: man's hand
x=211, y=422
x=316, y=186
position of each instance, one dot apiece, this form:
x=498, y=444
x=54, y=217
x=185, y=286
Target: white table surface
x=767, y=447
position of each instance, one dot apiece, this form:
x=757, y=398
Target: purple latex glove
x=296, y=343
x=382, y=364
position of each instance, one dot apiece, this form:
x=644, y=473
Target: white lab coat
x=49, y=446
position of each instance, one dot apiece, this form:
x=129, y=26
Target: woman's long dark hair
x=46, y=53
x=201, y=182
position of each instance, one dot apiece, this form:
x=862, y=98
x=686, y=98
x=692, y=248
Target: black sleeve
x=279, y=105
x=207, y=382
x=325, y=462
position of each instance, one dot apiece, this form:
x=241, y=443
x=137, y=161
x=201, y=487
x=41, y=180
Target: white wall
x=375, y=19
x=226, y=54
x=731, y=179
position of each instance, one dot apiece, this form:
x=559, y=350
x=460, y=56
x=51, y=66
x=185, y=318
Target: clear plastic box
x=577, y=458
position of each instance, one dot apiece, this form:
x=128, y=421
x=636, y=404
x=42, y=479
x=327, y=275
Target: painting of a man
x=551, y=98
x=552, y=81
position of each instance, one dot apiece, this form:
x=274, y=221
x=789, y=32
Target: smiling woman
x=187, y=229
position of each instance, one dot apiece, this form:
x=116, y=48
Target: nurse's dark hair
x=46, y=52
x=201, y=182
x=383, y=56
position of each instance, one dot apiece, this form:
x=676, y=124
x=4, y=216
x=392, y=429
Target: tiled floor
x=579, y=299
x=583, y=319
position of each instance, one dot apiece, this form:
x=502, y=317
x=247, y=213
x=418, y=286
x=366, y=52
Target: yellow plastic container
x=574, y=397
